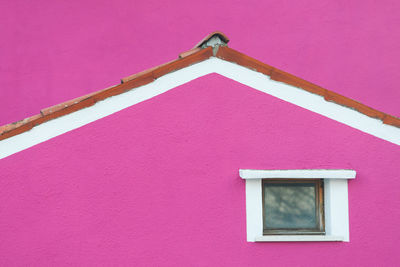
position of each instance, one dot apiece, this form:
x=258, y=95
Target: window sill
x=296, y=174
x=298, y=238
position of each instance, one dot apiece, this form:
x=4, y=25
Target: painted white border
x=230, y=70
x=336, y=211
x=304, y=174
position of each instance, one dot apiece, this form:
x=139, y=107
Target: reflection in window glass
x=290, y=205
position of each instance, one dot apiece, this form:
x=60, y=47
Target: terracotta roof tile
x=234, y=56
x=188, y=58
x=189, y=52
x=185, y=60
x=26, y=123
x=391, y=120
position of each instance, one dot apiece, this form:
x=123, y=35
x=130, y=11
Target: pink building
x=213, y=159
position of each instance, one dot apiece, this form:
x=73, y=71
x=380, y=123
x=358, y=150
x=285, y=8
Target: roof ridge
x=218, y=34
x=197, y=54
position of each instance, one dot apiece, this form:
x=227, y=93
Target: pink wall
x=52, y=51
x=157, y=184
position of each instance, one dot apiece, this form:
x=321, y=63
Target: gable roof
x=213, y=45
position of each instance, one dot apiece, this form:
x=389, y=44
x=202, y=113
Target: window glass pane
x=289, y=205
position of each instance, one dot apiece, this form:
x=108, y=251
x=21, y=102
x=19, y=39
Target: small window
x=293, y=207
x=297, y=205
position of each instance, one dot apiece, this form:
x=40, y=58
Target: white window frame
x=335, y=202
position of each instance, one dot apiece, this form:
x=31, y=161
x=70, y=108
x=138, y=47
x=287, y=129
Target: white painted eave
x=298, y=174
x=163, y=84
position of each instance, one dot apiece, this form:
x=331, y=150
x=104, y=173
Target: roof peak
x=214, y=39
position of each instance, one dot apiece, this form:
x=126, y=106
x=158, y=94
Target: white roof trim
x=227, y=69
x=297, y=174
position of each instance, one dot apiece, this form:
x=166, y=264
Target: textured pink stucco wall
x=157, y=185
x=53, y=51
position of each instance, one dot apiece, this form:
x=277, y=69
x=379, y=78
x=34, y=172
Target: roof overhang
x=190, y=65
